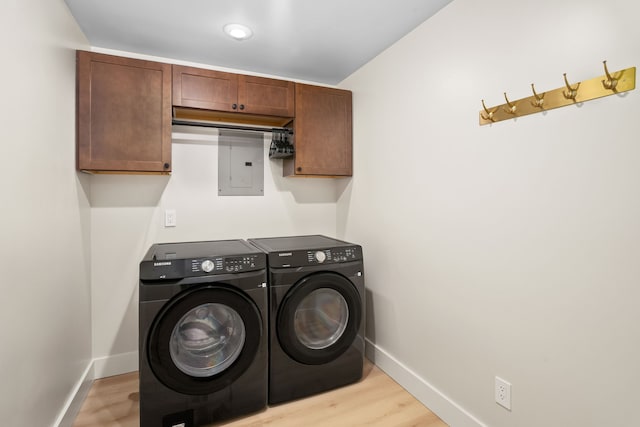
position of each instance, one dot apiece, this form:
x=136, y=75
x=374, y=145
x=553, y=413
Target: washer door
x=319, y=318
x=204, y=339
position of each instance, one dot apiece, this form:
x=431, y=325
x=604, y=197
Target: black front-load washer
x=203, y=332
x=317, y=303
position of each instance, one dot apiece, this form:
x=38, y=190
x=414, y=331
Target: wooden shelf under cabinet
x=209, y=116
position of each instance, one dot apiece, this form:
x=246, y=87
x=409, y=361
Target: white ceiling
x=321, y=41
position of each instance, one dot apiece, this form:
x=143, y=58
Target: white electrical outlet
x=503, y=393
x=170, y=219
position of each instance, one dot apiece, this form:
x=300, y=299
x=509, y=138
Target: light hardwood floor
x=377, y=400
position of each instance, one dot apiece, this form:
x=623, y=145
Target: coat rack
x=569, y=94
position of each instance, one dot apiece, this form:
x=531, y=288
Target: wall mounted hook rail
x=586, y=90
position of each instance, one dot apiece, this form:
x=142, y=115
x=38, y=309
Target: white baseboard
x=445, y=408
x=100, y=367
x=117, y=364
x=76, y=398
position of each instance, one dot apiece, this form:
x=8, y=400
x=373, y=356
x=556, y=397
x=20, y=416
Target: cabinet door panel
x=206, y=89
x=124, y=114
x=259, y=95
x=323, y=132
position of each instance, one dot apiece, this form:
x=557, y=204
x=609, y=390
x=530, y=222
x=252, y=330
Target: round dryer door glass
x=321, y=318
x=207, y=340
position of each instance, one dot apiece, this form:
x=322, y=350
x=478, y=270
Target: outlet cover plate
x=503, y=393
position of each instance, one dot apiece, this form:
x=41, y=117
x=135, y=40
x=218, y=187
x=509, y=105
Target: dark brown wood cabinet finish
x=123, y=114
x=323, y=133
x=204, y=89
x=265, y=96
x=236, y=93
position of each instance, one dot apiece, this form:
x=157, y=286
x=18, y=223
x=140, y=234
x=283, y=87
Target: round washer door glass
x=204, y=338
x=321, y=318
x=207, y=340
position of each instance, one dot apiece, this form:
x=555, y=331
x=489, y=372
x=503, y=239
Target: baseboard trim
x=76, y=398
x=117, y=364
x=445, y=408
x=100, y=367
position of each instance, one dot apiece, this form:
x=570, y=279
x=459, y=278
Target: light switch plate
x=170, y=219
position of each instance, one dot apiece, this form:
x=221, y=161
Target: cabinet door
x=259, y=95
x=323, y=132
x=205, y=89
x=124, y=114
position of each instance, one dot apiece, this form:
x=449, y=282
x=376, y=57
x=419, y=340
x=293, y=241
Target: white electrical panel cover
x=240, y=163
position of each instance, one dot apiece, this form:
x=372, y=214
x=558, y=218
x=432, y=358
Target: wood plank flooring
x=377, y=400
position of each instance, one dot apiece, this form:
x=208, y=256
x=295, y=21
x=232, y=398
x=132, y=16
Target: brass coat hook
x=610, y=83
x=571, y=93
x=539, y=99
x=512, y=107
x=489, y=115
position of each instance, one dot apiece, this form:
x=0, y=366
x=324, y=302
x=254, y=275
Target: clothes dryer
x=203, y=332
x=317, y=304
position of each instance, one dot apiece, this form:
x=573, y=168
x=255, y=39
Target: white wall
x=45, y=336
x=509, y=249
x=127, y=217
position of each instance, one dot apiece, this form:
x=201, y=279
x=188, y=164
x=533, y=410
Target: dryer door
x=204, y=339
x=319, y=318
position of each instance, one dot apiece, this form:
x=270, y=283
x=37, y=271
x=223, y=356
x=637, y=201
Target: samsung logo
x=285, y=254
x=159, y=264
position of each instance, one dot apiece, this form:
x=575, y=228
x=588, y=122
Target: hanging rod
x=256, y=128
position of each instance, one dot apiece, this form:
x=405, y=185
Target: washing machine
x=203, y=325
x=317, y=312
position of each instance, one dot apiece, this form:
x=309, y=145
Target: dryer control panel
x=332, y=255
x=316, y=257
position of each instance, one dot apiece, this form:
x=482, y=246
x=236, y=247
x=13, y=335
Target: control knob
x=207, y=266
x=320, y=256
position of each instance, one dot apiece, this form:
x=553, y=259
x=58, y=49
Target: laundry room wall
x=506, y=250
x=45, y=338
x=128, y=216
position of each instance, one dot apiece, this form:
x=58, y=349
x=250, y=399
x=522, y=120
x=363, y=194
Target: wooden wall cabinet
x=323, y=133
x=234, y=93
x=123, y=114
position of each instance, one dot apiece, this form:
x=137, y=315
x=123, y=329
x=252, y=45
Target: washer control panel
x=228, y=264
x=174, y=261
x=192, y=267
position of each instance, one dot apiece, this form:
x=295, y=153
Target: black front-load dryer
x=316, y=335
x=203, y=332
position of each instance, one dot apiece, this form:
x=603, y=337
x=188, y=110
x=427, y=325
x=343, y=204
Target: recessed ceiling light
x=238, y=31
